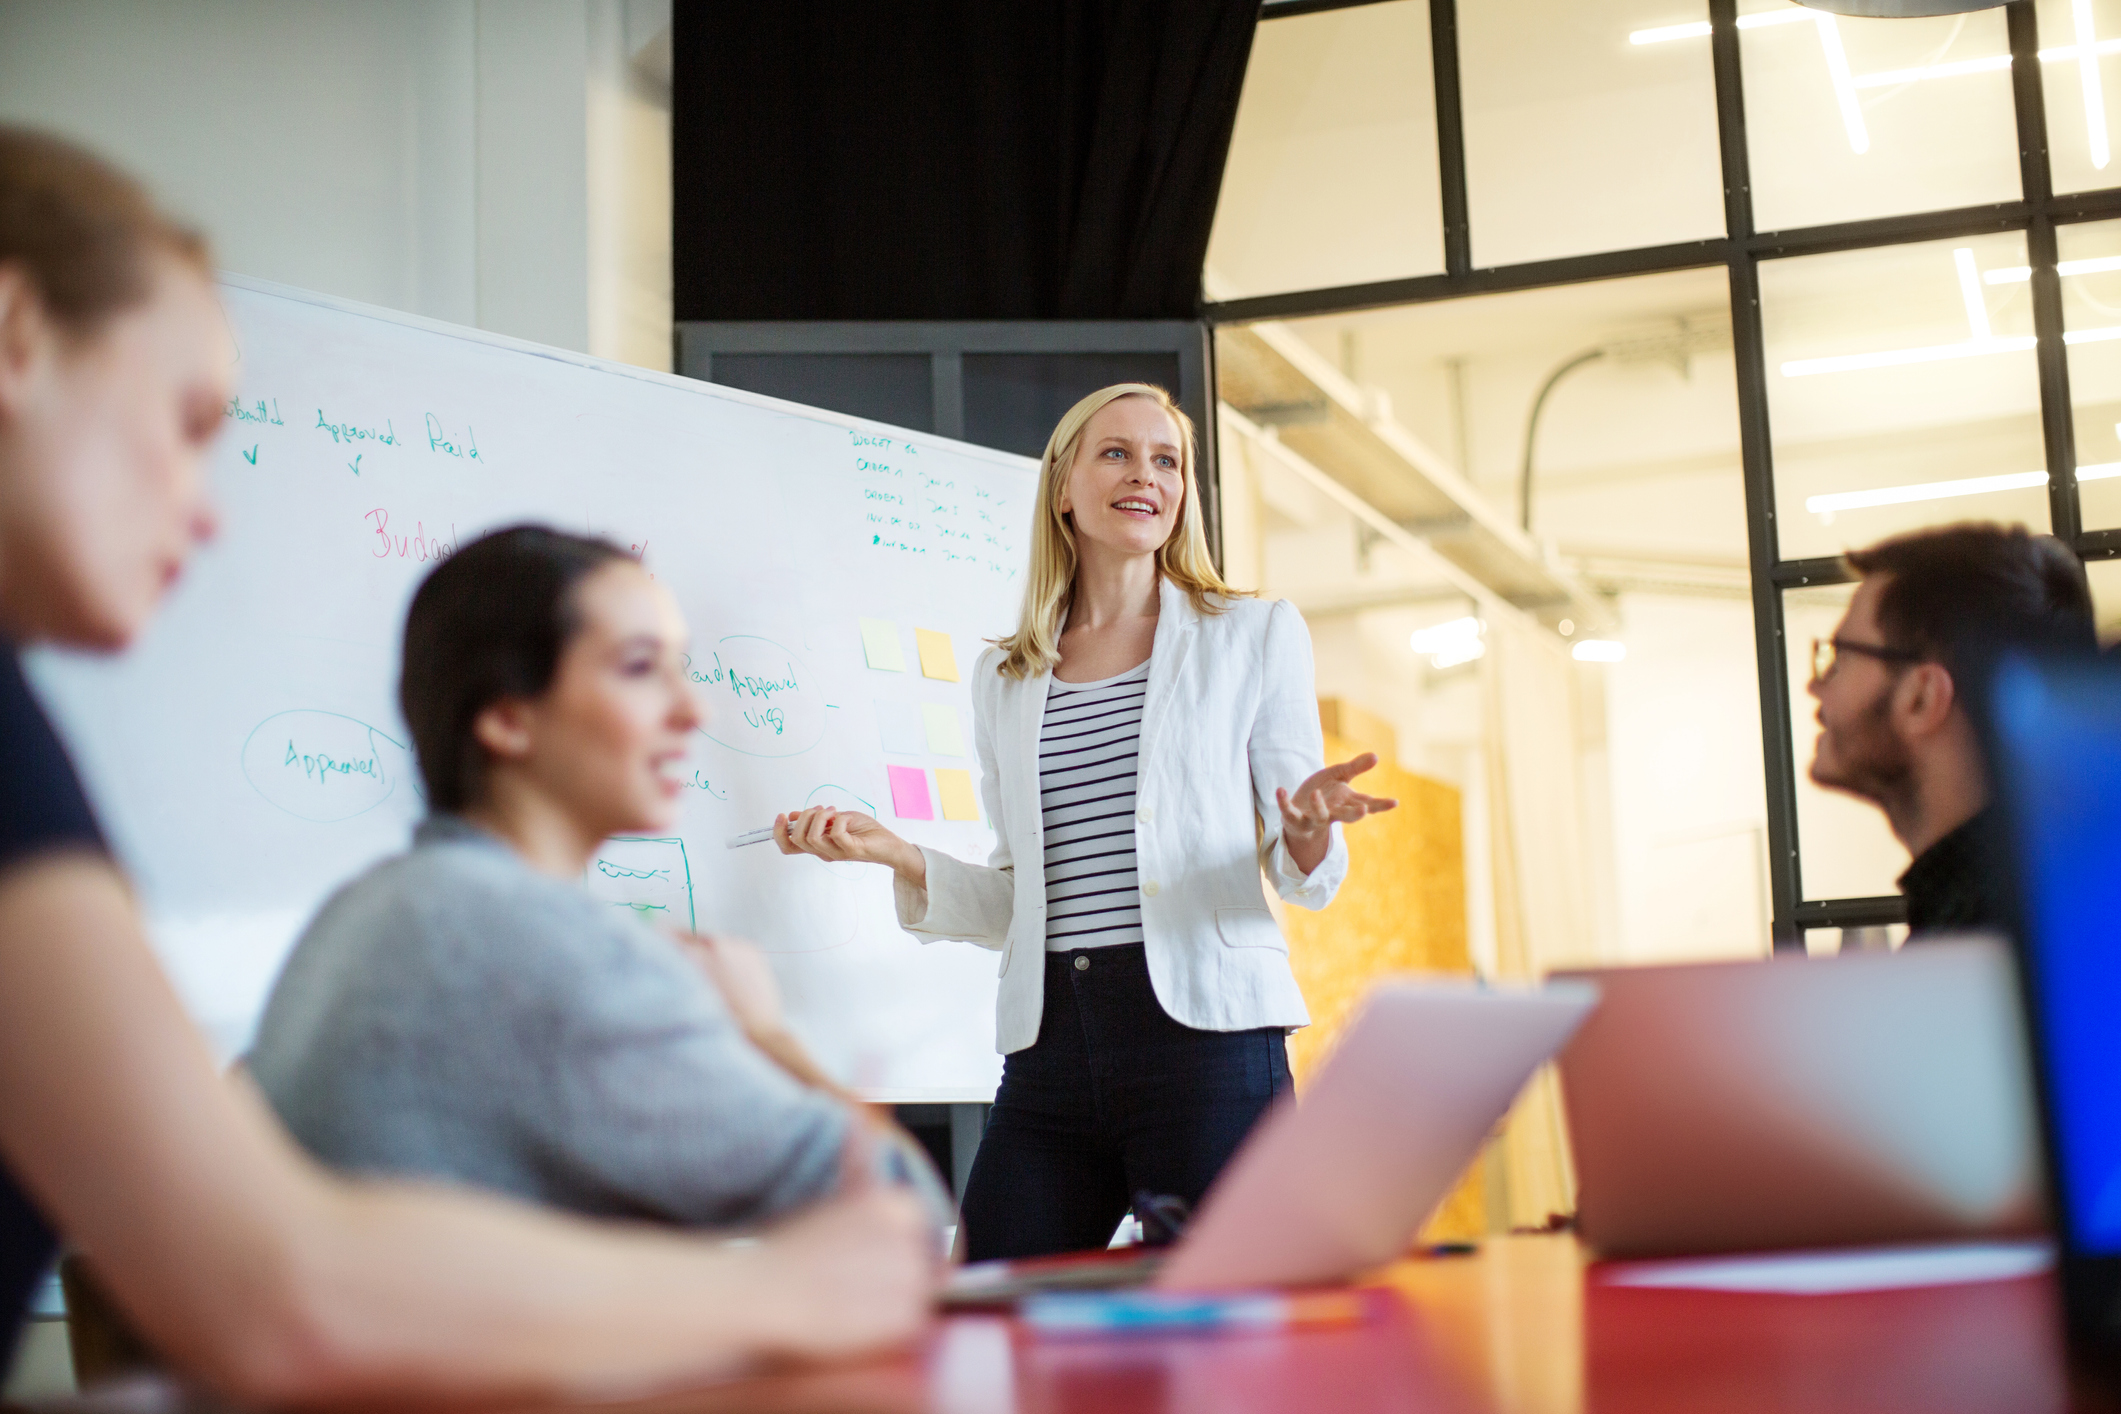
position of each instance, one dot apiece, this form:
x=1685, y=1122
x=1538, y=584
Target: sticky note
x=909, y=793
x=955, y=787
x=899, y=724
x=944, y=737
x=938, y=658
x=880, y=646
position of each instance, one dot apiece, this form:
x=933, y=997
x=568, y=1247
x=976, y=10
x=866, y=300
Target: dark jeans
x=1113, y=1097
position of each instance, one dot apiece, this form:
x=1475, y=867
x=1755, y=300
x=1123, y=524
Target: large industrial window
x=1884, y=293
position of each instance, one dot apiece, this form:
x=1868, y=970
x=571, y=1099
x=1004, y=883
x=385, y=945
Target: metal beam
x=1756, y=451
x=1391, y=470
x=1450, y=139
x=2051, y=358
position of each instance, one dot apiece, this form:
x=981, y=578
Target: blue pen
x=1086, y=1313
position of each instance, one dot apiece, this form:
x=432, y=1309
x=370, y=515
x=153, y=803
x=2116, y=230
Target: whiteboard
x=247, y=755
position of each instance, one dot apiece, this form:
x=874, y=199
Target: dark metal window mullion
x=2057, y=425
x=1450, y=138
x=1756, y=450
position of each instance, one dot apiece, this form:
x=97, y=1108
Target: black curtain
x=950, y=159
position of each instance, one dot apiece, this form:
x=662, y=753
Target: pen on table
x=1106, y=1313
x=749, y=837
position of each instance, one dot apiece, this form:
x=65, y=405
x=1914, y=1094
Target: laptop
x=1340, y=1179
x=1804, y=1102
x=2054, y=736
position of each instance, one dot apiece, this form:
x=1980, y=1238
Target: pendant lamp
x=1900, y=9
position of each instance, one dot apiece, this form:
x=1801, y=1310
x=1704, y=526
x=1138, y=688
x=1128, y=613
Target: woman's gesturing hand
x=841, y=835
x=1308, y=812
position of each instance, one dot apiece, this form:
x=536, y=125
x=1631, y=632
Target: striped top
x=1088, y=747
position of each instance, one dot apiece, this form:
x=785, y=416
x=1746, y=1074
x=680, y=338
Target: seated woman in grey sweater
x=467, y=1011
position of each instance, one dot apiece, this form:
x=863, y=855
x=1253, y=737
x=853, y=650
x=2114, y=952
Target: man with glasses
x=1894, y=685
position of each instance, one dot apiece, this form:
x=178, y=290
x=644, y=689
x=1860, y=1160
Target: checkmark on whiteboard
x=251, y=456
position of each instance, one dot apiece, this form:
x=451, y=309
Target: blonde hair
x=1183, y=558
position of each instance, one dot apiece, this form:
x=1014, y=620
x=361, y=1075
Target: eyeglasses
x=1826, y=655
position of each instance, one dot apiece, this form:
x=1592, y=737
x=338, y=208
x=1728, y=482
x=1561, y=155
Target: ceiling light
x=1699, y=29
x=2019, y=274
x=1981, y=339
x=1902, y=9
x=1889, y=77
x=2100, y=471
x=1599, y=650
x=2085, y=53
x=1837, y=69
x=1891, y=358
x=2088, y=80
x=1923, y=491
x=1970, y=294
x=1446, y=645
x=2067, y=52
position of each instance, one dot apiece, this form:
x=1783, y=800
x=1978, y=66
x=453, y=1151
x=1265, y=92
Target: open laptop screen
x=2057, y=731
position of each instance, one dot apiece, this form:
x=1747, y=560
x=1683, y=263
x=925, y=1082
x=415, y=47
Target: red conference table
x=1524, y=1327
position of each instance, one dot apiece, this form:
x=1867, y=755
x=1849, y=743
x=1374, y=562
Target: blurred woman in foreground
x=468, y=1011
x=248, y=1266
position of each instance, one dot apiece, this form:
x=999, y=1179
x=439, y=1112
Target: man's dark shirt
x=1958, y=883
x=41, y=808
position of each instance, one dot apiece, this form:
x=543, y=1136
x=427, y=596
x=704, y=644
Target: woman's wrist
x=1307, y=848
x=909, y=864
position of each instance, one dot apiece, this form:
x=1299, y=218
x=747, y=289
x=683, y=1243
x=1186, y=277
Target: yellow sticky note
x=955, y=787
x=880, y=647
x=944, y=737
x=938, y=658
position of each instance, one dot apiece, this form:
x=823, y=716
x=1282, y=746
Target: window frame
x=1741, y=251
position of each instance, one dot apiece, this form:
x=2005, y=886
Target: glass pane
x=2090, y=266
x=2105, y=576
x=1851, y=118
x=1579, y=140
x=1844, y=848
x=1901, y=392
x=2082, y=132
x=1638, y=490
x=1331, y=178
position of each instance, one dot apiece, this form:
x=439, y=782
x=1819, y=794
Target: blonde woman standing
x=1148, y=743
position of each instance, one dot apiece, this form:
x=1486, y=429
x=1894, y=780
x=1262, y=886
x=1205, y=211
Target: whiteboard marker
x=749, y=837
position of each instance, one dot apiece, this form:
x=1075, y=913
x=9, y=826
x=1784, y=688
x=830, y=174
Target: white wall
x=503, y=163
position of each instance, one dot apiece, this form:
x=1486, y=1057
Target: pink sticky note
x=909, y=793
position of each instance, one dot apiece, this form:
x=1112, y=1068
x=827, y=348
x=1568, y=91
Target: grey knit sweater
x=453, y=1014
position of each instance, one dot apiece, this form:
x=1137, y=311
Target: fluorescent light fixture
x=2085, y=53
x=1893, y=358
x=2019, y=274
x=1888, y=78
x=1448, y=644
x=1937, y=353
x=1599, y=650
x=1837, y=69
x=2065, y=53
x=1924, y=491
x=2088, y=81
x=1970, y=294
x=2100, y=471
x=1699, y=29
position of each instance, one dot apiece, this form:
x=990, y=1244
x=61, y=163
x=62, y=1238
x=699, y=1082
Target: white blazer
x=1230, y=715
